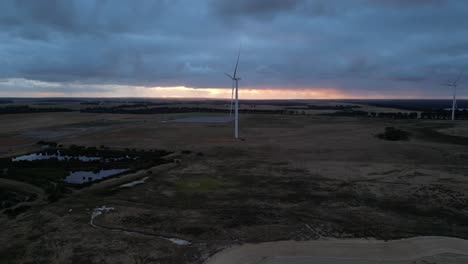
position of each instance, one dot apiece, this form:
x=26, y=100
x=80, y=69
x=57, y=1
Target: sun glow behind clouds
x=19, y=87
x=182, y=91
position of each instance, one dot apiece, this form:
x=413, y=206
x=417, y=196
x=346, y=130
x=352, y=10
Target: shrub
x=394, y=134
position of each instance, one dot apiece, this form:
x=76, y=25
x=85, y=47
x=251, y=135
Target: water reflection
x=60, y=157
x=79, y=177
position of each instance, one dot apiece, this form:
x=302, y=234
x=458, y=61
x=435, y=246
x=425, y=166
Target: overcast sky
x=323, y=49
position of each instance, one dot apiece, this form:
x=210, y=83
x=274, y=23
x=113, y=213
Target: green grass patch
x=202, y=184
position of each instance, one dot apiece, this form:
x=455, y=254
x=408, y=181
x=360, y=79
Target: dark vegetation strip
x=170, y=110
x=53, y=100
x=412, y=105
x=22, y=109
x=433, y=115
x=357, y=113
x=325, y=107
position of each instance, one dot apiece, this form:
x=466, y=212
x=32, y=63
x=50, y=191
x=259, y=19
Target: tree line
x=434, y=114
x=172, y=110
x=23, y=109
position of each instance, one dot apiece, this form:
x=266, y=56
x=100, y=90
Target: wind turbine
x=454, y=85
x=232, y=96
x=235, y=83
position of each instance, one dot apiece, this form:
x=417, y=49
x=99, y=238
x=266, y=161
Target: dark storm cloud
x=257, y=9
x=351, y=45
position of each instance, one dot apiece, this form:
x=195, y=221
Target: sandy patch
x=404, y=249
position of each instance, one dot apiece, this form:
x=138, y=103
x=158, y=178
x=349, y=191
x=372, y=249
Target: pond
x=59, y=156
x=80, y=177
x=46, y=156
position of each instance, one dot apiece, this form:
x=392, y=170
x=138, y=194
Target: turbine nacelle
x=232, y=78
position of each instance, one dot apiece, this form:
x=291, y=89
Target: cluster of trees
x=101, y=151
x=398, y=115
x=436, y=114
x=422, y=105
x=21, y=109
x=445, y=114
x=358, y=113
x=394, y=134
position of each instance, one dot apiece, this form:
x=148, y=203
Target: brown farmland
x=293, y=177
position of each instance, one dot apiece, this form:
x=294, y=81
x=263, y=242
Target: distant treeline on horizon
x=424, y=109
x=413, y=104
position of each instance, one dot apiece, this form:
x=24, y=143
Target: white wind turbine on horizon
x=454, y=85
x=235, y=83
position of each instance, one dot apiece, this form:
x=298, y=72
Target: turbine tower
x=232, y=96
x=454, y=85
x=235, y=83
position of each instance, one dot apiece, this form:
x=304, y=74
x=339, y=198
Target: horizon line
x=221, y=99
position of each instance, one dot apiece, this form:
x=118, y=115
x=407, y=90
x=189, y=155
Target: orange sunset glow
x=246, y=93
x=210, y=93
x=114, y=91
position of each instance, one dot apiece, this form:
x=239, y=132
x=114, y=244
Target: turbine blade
x=229, y=76
x=237, y=63
x=460, y=75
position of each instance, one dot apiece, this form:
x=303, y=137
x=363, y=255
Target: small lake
x=79, y=177
x=45, y=156
x=59, y=156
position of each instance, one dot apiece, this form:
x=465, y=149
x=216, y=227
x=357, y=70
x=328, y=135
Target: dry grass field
x=292, y=177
